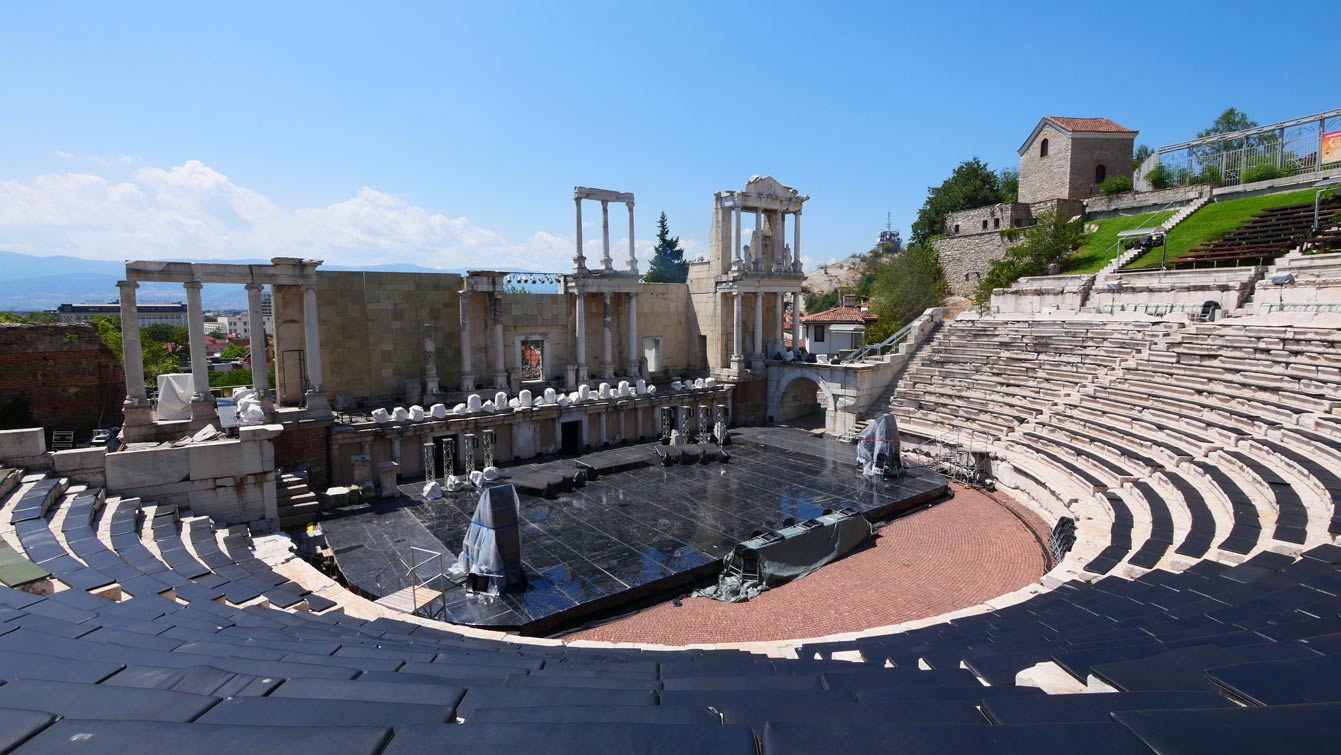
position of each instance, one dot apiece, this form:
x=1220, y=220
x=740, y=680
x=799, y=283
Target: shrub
x=1159, y=177
x=1115, y=185
x=1049, y=241
x=1262, y=172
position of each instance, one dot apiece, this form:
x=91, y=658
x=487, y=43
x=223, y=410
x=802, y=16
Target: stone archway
x=798, y=393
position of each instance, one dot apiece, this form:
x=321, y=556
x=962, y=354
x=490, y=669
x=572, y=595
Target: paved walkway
x=956, y=554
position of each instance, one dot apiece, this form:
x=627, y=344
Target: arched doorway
x=800, y=405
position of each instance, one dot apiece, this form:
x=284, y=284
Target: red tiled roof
x=840, y=314
x=1090, y=125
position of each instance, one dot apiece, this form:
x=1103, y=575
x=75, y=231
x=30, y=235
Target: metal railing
x=876, y=349
x=1288, y=148
x=399, y=575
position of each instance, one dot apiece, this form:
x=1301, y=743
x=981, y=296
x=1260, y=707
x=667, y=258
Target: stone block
x=27, y=442
x=79, y=459
x=129, y=470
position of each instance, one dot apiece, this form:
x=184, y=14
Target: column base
x=317, y=403
x=468, y=383
x=583, y=374
x=634, y=370
x=203, y=413
x=607, y=370
x=757, y=362
x=137, y=415
x=500, y=381
x=570, y=377
x=737, y=363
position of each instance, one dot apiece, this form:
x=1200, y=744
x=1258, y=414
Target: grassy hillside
x=1216, y=218
x=1100, y=246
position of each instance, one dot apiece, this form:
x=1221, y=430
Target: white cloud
x=194, y=211
x=62, y=154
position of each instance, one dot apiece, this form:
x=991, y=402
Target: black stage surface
x=629, y=534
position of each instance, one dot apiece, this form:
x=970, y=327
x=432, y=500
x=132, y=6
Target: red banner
x=1331, y=147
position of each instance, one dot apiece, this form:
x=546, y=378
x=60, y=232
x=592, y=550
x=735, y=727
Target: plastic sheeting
x=491, y=551
x=174, y=397
x=878, y=447
x=777, y=558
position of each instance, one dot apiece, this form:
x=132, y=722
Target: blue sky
x=451, y=135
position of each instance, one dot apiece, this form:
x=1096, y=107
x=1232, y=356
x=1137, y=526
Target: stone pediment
x=767, y=186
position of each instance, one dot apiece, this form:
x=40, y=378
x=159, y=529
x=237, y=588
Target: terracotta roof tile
x=840, y=315
x=1090, y=125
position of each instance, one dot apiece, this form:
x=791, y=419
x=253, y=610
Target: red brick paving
x=956, y=554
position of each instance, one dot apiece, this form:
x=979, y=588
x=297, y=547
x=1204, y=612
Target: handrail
x=893, y=340
x=1118, y=242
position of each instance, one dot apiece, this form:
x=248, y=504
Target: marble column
x=312, y=340
x=634, y=370
x=739, y=261
x=796, y=242
x=467, y=356
x=796, y=322
x=607, y=358
x=779, y=234
x=606, y=262
x=779, y=305
x=500, y=371
x=758, y=240
x=200, y=366
x=738, y=323
x=633, y=257
x=758, y=325
x=581, y=312
x=260, y=377
x=132, y=354
x=579, y=259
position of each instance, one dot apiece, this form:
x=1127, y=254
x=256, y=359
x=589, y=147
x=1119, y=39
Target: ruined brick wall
x=305, y=443
x=69, y=377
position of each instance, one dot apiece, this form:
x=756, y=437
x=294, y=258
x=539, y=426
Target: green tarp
x=771, y=560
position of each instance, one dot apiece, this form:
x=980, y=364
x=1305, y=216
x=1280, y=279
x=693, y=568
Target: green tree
x=233, y=351
x=1008, y=183
x=668, y=263
x=1228, y=122
x=972, y=184
x=1051, y=240
x=223, y=379
x=903, y=286
x=1140, y=155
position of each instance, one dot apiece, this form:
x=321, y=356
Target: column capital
x=132, y=285
x=254, y=286
x=193, y=285
x=310, y=286
x=629, y=204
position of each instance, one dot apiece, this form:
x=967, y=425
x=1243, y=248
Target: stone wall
x=1134, y=202
x=964, y=258
x=68, y=377
x=304, y=444
x=372, y=330
x=990, y=218
x=1067, y=208
x=1088, y=151
x=1046, y=177
x=230, y=481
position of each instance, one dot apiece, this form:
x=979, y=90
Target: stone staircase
x=1178, y=217
x=882, y=403
x=298, y=505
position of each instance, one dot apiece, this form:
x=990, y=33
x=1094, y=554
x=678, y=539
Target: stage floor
x=628, y=535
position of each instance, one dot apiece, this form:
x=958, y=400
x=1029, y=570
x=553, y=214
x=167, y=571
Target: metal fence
x=1278, y=150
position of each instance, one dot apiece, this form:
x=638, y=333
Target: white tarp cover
x=492, y=546
x=174, y=397
x=878, y=446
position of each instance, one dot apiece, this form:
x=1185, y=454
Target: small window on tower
x=956, y=228
x=984, y=224
x=1043, y=148
x=996, y=223
x=1100, y=173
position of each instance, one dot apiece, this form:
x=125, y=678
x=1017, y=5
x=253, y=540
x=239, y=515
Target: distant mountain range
x=33, y=283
